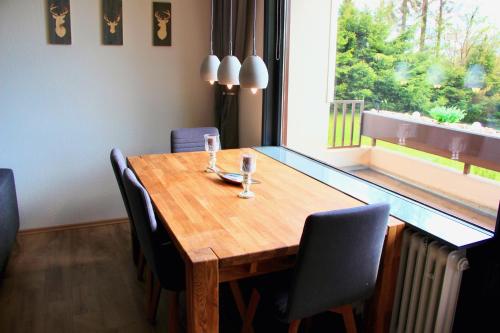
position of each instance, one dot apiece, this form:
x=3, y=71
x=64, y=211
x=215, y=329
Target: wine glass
x=457, y=146
x=248, y=166
x=403, y=133
x=212, y=146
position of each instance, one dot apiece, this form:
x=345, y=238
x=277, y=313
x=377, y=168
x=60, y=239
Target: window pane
x=403, y=95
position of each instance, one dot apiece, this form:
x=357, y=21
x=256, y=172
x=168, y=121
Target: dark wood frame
x=272, y=97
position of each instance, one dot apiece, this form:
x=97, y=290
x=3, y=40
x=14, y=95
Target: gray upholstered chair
x=190, y=139
x=337, y=265
x=165, y=267
x=9, y=217
x=119, y=165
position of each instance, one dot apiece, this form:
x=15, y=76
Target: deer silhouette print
x=59, y=15
x=112, y=24
x=163, y=18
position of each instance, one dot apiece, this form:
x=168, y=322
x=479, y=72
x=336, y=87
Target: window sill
x=449, y=229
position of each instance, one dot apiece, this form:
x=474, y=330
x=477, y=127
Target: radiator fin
x=428, y=285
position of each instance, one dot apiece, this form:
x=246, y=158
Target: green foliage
x=445, y=114
x=388, y=72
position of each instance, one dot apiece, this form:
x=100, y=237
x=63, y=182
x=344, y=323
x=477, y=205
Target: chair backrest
x=190, y=139
x=119, y=165
x=9, y=216
x=144, y=218
x=338, y=259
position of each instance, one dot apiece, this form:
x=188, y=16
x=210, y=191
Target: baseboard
x=72, y=226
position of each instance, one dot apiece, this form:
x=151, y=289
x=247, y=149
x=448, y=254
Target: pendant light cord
x=212, y=29
x=254, y=24
x=231, y=28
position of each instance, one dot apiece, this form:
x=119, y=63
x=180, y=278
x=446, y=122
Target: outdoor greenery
x=444, y=114
x=409, y=56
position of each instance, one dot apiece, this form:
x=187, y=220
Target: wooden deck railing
x=341, y=110
x=468, y=147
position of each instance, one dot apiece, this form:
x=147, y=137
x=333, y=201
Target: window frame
x=275, y=99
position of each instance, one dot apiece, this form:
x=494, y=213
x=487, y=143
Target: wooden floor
x=485, y=220
x=75, y=281
x=83, y=280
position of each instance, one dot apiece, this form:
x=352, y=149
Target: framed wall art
x=59, y=21
x=112, y=22
x=162, y=24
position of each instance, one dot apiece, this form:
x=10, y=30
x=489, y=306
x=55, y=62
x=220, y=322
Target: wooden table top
x=201, y=211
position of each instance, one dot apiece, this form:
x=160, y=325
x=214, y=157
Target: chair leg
x=307, y=324
x=148, y=287
x=135, y=244
x=140, y=266
x=173, y=309
x=294, y=326
x=153, y=302
x=251, y=309
x=348, y=315
x=238, y=299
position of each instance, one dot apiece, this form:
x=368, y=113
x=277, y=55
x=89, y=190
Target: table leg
x=202, y=291
x=380, y=308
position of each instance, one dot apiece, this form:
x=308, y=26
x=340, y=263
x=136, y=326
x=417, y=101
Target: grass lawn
x=490, y=174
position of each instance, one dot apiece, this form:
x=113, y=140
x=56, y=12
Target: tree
x=440, y=26
x=423, y=25
x=467, y=43
x=377, y=61
x=404, y=14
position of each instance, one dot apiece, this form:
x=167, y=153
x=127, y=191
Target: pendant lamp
x=209, y=66
x=229, y=68
x=253, y=73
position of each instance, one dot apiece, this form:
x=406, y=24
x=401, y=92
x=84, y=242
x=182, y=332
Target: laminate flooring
x=83, y=280
x=79, y=280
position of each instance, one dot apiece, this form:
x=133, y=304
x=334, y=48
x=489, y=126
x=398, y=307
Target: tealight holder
x=212, y=146
x=248, y=166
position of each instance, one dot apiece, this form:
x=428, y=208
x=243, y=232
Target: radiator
x=428, y=285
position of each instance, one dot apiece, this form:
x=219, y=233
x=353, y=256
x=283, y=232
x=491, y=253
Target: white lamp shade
x=229, y=71
x=209, y=67
x=253, y=73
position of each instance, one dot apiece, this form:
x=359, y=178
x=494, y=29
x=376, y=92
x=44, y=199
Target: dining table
x=224, y=238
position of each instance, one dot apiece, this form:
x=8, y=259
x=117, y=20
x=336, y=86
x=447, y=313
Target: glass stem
x=247, y=180
x=213, y=160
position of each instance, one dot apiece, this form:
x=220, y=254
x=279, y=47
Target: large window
x=405, y=94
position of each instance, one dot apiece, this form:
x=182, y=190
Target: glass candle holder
x=457, y=146
x=248, y=166
x=212, y=146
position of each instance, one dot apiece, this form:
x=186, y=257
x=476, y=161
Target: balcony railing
x=350, y=122
x=346, y=112
x=469, y=147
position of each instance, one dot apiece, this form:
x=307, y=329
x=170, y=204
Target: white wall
x=62, y=108
x=250, y=117
x=310, y=67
